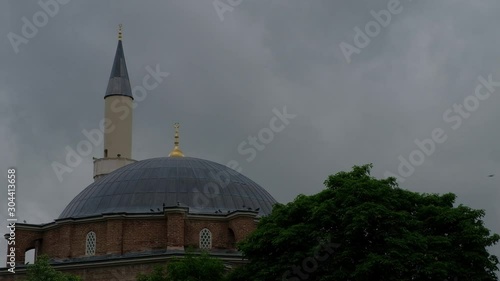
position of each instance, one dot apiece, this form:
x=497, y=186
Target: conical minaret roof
x=119, y=83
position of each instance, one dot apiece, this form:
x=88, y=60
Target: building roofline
x=124, y=215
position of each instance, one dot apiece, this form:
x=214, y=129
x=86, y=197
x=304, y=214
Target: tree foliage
x=191, y=267
x=159, y=273
x=383, y=233
x=41, y=270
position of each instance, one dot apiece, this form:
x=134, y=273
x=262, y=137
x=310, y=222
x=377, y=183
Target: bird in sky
x=490, y=176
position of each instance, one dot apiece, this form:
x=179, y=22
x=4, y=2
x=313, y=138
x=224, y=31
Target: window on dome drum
x=205, y=239
x=90, y=244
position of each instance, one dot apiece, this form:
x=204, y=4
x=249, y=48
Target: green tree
x=41, y=270
x=158, y=274
x=383, y=233
x=191, y=267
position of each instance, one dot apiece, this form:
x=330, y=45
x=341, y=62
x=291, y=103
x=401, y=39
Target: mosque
x=138, y=214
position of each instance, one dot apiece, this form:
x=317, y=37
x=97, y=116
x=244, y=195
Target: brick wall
x=242, y=227
x=175, y=230
x=217, y=228
x=114, y=236
x=122, y=235
x=25, y=240
x=144, y=234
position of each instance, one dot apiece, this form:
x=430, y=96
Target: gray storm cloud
x=227, y=75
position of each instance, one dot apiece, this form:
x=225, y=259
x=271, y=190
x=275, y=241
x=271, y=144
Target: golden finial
x=176, y=152
x=120, y=28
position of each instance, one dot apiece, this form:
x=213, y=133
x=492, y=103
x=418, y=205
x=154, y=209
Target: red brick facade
x=119, y=234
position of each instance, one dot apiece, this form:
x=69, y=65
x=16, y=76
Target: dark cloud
x=227, y=76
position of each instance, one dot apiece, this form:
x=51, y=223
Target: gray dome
x=148, y=184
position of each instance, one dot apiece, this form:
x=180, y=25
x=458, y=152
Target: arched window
x=90, y=244
x=205, y=239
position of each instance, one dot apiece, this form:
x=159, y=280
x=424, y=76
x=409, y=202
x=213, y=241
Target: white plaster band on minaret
x=118, y=133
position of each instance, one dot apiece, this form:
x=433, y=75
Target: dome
x=173, y=181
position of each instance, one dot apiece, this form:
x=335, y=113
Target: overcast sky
x=230, y=69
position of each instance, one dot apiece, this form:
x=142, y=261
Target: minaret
x=176, y=152
x=118, y=108
x=118, y=117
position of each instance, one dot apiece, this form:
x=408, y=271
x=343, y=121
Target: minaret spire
x=119, y=83
x=176, y=152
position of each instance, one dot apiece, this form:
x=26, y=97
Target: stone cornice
x=143, y=216
x=72, y=265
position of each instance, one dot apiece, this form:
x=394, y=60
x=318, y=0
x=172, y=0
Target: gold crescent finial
x=120, y=28
x=176, y=152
